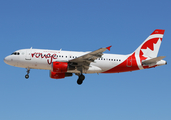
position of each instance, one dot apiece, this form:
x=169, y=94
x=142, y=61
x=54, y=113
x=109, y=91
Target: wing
x=84, y=61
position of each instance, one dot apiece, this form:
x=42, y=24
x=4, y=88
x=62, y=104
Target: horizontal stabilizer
x=152, y=61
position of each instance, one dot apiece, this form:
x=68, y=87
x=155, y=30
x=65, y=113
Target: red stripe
x=124, y=66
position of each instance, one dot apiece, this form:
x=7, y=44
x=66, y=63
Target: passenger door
x=28, y=54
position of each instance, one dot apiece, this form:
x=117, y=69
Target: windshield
x=15, y=53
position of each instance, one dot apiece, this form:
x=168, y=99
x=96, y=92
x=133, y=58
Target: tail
x=145, y=56
x=150, y=47
x=146, y=53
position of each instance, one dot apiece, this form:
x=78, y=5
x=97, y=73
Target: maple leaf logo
x=148, y=52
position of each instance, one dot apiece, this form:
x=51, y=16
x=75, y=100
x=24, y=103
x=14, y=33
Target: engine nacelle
x=59, y=67
x=59, y=70
x=55, y=75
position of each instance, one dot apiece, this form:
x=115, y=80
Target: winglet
x=108, y=48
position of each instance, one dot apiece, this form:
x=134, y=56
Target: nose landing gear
x=27, y=75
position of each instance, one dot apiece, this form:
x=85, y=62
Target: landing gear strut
x=80, y=79
x=27, y=75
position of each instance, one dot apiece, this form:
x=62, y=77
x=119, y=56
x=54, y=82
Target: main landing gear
x=27, y=75
x=81, y=78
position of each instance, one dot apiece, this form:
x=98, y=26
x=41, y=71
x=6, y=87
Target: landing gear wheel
x=80, y=79
x=26, y=76
x=79, y=82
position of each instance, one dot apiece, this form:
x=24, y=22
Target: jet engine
x=59, y=70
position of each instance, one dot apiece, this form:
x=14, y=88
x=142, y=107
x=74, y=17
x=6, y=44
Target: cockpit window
x=15, y=53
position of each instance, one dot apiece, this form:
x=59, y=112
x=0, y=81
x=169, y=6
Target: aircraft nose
x=7, y=59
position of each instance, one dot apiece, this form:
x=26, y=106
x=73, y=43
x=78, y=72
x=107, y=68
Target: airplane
x=63, y=64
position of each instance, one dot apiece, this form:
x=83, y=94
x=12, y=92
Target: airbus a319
x=63, y=64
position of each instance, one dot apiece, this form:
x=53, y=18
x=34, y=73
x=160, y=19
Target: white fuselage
x=43, y=59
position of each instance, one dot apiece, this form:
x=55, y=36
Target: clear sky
x=84, y=25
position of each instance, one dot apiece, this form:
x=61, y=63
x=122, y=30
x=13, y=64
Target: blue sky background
x=84, y=25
